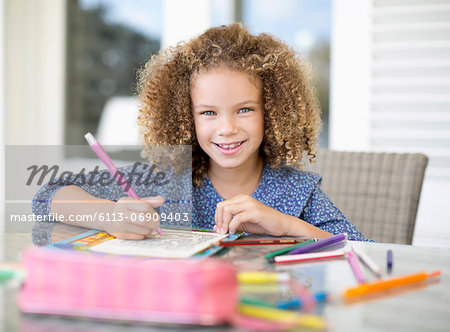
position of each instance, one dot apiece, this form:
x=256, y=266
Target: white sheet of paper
x=171, y=244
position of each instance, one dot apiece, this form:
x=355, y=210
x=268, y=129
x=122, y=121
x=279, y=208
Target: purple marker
x=389, y=261
x=319, y=244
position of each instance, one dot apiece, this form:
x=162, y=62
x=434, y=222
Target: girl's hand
x=134, y=219
x=244, y=213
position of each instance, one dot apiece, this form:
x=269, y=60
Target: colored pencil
x=367, y=261
x=268, y=241
x=270, y=256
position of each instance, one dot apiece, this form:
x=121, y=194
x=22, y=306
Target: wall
x=390, y=83
x=34, y=57
x=183, y=20
x=2, y=126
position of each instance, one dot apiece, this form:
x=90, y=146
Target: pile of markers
x=260, y=291
x=275, y=301
x=307, y=251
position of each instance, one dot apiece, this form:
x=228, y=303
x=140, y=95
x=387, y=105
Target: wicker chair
x=378, y=192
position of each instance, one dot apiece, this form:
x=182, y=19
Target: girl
x=245, y=105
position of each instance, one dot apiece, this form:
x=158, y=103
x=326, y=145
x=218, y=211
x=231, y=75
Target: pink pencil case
x=111, y=287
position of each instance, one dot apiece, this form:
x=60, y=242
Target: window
x=107, y=41
x=304, y=25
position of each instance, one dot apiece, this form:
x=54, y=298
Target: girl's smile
x=229, y=148
x=229, y=117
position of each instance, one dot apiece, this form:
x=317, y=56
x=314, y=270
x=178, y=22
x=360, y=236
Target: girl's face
x=229, y=116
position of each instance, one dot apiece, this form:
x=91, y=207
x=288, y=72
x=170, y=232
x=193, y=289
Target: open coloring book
x=173, y=243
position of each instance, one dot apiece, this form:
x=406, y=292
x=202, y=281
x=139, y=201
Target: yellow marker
x=261, y=277
x=268, y=288
x=283, y=316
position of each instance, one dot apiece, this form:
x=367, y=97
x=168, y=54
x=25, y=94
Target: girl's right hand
x=133, y=219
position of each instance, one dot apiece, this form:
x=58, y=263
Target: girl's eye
x=245, y=110
x=208, y=113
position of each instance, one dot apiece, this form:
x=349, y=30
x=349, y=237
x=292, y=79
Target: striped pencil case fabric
x=121, y=288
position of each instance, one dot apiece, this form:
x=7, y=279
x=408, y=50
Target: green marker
x=271, y=255
x=7, y=274
x=11, y=273
x=245, y=300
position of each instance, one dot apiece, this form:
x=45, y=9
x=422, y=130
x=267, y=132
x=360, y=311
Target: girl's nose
x=227, y=126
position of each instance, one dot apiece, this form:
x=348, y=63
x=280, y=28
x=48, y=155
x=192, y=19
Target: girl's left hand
x=244, y=213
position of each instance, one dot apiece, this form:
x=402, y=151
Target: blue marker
x=295, y=303
x=63, y=245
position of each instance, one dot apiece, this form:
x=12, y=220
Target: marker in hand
x=101, y=153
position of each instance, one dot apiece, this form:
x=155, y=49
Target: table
x=425, y=309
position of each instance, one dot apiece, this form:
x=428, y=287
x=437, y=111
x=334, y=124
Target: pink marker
x=355, y=267
x=118, y=176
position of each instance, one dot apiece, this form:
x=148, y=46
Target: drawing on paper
x=171, y=244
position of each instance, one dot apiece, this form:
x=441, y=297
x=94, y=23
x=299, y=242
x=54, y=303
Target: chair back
x=378, y=192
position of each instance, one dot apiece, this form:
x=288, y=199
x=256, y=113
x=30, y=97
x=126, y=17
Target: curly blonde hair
x=291, y=114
